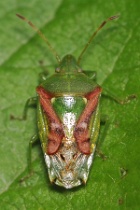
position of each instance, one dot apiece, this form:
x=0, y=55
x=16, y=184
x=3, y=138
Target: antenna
x=41, y=35
x=94, y=34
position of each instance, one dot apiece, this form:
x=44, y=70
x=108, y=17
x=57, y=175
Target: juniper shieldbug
x=68, y=117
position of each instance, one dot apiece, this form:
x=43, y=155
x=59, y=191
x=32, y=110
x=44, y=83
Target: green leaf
x=114, y=54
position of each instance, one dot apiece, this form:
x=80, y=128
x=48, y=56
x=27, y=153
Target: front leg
x=30, y=102
x=110, y=95
x=91, y=74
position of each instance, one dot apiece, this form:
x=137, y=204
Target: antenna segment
x=41, y=35
x=93, y=35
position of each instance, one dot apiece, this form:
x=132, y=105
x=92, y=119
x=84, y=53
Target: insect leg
x=44, y=74
x=105, y=122
x=107, y=94
x=30, y=102
x=91, y=74
x=32, y=141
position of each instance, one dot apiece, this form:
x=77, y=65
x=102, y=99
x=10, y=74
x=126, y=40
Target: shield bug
x=68, y=117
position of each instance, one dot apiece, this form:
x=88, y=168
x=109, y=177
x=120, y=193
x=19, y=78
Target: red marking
x=94, y=93
x=56, y=130
x=81, y=130
x=42, y=92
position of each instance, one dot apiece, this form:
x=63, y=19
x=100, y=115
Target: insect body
x=68, y=119
x=68, y=122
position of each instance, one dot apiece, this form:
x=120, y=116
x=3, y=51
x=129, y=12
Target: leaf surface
x=113, y=183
